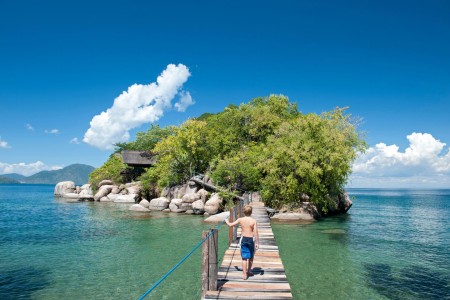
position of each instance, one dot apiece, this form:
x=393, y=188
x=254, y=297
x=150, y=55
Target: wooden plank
x=269, y=280
x=248, y=295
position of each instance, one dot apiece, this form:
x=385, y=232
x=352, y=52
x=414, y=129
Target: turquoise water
x=393, y=244
x=52, y=249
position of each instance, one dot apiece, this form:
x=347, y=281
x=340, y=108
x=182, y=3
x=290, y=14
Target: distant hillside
x=15, y=176
x=77, y=173
x=7, y=180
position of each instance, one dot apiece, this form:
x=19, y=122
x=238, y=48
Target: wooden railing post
x=213, y=259
x=241, y=208
x=230, y=229
x=205, y=264
x=238, y=208
x=210, y=269
x=235, y=217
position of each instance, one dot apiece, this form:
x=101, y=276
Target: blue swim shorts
x=247, y=247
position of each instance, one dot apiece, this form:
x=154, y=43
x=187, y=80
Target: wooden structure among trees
x=137, y=161
x=138, y=158
x=269, y=280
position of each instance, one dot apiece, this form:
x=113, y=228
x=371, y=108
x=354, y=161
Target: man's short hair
x=247, y=210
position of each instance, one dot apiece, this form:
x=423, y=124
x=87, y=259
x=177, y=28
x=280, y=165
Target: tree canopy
x=265, y=145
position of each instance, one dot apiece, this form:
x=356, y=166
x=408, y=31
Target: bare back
x=248, y=225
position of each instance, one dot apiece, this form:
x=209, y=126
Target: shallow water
x=53, y=249
x=393, y=244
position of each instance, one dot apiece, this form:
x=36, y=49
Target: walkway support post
x=205, y=264
x=231, y=229
x=213, y=259
x=210, y=249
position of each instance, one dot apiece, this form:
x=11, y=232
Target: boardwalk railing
x=210, y=248
x=210, y=268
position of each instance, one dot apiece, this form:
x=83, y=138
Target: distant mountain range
x=77, y=173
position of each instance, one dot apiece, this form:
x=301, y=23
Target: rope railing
x=181, y=261
x=235, y=212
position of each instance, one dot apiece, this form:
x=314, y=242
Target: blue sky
x=62, y=63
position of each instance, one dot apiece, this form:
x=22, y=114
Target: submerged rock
x=217, y=218
x=139, y=208
x=71, y=196
x=293, y=216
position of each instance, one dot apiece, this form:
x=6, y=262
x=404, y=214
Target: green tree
x=182, y=154
x=238, y=171
x=310, y=155
x=146, y=141
x=109, y=170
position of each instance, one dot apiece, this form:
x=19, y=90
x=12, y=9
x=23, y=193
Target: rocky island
x=297, y=163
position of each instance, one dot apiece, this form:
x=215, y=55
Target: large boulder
x=139, y=208
x=165, y=192
x=105, y=182
x=112, y=197
x=85, y=195
x=293, y=216
x=134, y=187
x=129, y=198
x=185, y=206
x=115, y=190
x=198, y=207
x=191, y=187
x=64, y=187
x=144, y=203
x=298, y=211
x=203, y=194
x=71, y=196
x=214, y=204
x=103, y=191
x=159, y=203
x=338, y=205
x=86, y=186
x=217, y=218
x=190, y=198
x=174, y=192
x=87, y=189
x=175, y=205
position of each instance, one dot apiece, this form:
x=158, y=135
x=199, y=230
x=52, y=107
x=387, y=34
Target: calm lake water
x=393, y=244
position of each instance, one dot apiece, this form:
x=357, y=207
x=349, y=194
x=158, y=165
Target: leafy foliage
x=146, y=141
x=182, y=154
x=265, y=145
x=109, y=170
x=312, y=155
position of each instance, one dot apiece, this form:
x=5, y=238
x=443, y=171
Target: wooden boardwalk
x=269, y=281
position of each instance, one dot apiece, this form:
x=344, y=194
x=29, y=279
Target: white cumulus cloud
x=74, y=141
x=140, y=104
x=26, y=169
x=29, y=127
x=4, y=144
x=52, y=131
x=185, y=101
x=424, y=163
